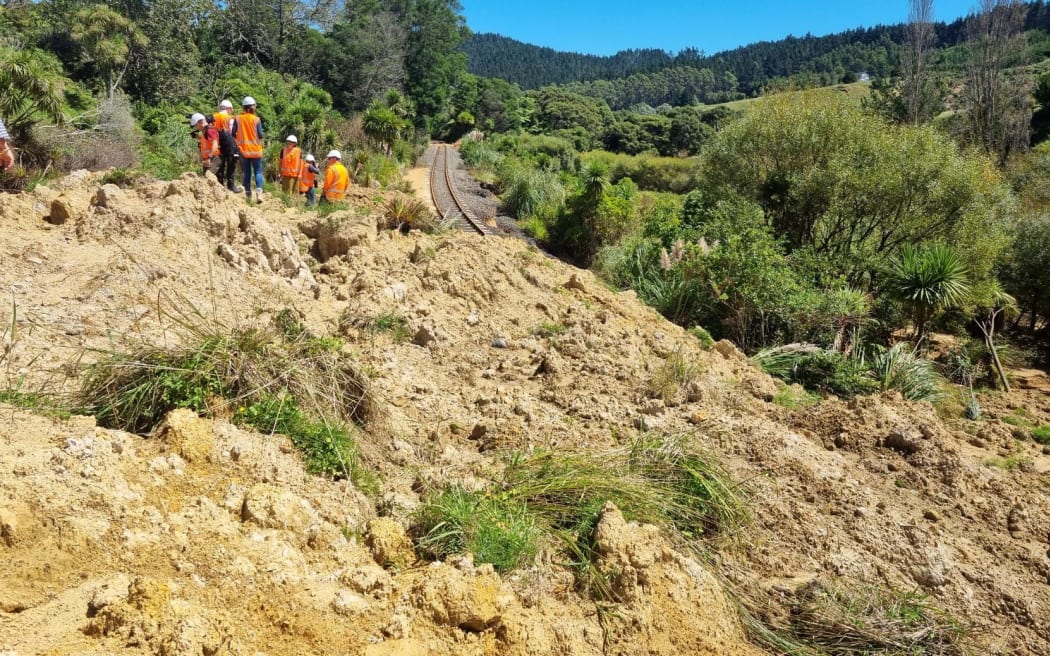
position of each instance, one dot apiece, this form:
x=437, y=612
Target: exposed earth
x=203, y=538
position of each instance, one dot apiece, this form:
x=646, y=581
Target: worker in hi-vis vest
x=208, y=137
x=336, y=178
x=248, y=132
x=308, y=180
x=291, y=165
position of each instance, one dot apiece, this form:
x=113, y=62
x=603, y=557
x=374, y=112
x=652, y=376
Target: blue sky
x=603, y=27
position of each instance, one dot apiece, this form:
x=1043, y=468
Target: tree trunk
x=989, y=341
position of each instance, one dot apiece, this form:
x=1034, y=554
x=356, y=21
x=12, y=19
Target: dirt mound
x=205, y=538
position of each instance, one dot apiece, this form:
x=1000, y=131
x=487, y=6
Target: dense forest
x=656, y=77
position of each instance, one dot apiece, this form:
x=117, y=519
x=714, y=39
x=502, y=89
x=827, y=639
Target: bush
x=404, y=212
x=899, y=368
x=816, y=369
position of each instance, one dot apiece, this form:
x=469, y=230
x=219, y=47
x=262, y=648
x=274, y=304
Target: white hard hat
x=226, y=104
x=310, y=158
x=292, y=138
x=248, y=101
x=335, y=153
x=196, y=118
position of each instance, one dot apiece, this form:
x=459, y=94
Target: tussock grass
x=560, y=494
x=280, y=379
x=875, y=621
x=674, y=374
x=405, y=212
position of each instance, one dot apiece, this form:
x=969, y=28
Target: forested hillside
x=656, y=77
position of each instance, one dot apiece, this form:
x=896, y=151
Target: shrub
x=816, y=369
x=899, y=368
x=404, y=212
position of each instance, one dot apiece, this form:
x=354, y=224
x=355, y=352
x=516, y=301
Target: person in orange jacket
x=248, y=133
x=7, y=158
x=336, y=178
x=308, y=180
x=209, y=143
x=291, y=165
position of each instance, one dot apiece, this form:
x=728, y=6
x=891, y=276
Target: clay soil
x=202, y=538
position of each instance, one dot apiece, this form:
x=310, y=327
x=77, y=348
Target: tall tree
x=434, y=63
x=107, y=39
x=917, y=87
x=999, y=110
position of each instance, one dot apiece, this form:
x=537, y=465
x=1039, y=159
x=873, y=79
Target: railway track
x=446, y=197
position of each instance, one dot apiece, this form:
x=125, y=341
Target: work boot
x=258, y=196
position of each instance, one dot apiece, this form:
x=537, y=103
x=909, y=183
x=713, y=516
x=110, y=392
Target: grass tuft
x=672, y=376
x=875, y=621
x=281, y=379
x=556, y=497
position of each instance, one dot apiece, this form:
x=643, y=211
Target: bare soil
x=204, y=538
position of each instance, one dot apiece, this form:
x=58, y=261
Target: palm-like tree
x=927, y=280
x=30, y=89
x=382, y=125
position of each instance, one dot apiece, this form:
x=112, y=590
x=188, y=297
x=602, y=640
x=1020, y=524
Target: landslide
x=202, y=537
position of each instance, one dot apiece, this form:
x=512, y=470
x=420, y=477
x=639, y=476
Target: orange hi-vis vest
x=222, y=120
x=291, y=162
x=209, y=147
x=336, y=182
x=247, y=136
x=306, y=179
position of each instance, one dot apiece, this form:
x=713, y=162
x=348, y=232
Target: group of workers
x=225, y=137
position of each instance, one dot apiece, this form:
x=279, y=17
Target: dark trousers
x=227, y=165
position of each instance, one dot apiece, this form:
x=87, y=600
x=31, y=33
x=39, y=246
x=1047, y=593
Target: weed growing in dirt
x=390, y=323
x=549, y=330
x=793, y=397
x=495, y=529
x=560, y=494
x=701, y=334
x=874, y=621
x=1010, y=462
x=36, y=402
x=326, y=208
x=1041, y=434
x=674, y=374
x=281, y=381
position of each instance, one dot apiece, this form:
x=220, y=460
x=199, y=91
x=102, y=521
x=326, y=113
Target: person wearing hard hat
x=208, y=137
x=7, y=158
x=336, y=178
x=248, y=133
x=291, y=165
x=308, y=180
x=223, y=118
